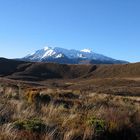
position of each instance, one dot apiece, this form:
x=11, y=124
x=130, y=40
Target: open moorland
x=48, y=101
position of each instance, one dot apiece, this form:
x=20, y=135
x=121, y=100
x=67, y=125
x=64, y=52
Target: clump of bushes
x=37, y=97
x=98, y=124
x=34, y=125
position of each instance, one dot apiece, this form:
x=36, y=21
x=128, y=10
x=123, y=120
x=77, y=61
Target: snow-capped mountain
x=61, y=55
x=43, y=54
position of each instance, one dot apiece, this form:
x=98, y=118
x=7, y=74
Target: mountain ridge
x=70, y=56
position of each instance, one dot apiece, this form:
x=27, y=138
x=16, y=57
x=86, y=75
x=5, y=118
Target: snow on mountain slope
x=48, y=53
x=86, y=50
x=44, y=53
x=72, y=56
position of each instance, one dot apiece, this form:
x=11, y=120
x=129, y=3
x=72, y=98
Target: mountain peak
x=47, y=48
x=86, y=50
x=61, y=55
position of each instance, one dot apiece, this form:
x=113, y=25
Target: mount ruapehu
x=72, y=56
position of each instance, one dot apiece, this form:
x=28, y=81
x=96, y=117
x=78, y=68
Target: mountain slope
x=41, y=71
x=37, y=71
x=65, y=56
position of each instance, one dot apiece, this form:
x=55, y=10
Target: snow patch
x=49, y=53
x=59, y=55
x=86, y=50
x=47, y=48
x=80, y=55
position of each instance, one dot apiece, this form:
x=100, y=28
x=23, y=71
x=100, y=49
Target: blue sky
x=109, y=27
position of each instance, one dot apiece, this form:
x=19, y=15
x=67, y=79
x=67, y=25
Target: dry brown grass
x=67, y=114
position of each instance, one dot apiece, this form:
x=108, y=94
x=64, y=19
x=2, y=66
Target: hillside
x=110, y=71
x=21, y=70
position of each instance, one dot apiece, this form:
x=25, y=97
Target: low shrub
x=97, y=124
x=34, y=125
x=37, y=97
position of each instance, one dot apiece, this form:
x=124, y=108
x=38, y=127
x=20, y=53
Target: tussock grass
x=67, y=115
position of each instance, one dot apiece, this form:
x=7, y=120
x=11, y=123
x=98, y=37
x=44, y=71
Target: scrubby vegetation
x=62, y=114
x=33, y=125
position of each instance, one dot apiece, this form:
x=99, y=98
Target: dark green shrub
x=34, y=125
x=97, y=124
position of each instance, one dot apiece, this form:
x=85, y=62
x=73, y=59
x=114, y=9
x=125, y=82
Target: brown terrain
x=21, y=70
x=49, y=101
